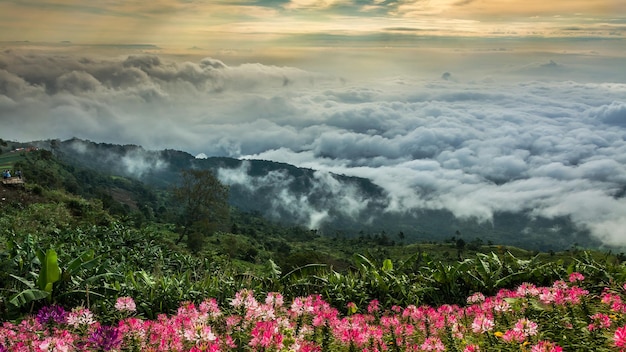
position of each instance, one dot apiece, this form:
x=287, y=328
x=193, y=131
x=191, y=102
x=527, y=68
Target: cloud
x=323, y=198
x=612, y=114
x=494, y=139
x=128, y=160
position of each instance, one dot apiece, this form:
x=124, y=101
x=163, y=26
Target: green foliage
x=50, y=271
x=203, y=201
x=41, y=288
x=69, y=239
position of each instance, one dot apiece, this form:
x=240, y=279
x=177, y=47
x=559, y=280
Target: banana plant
x=52, y=276
x=42, y=287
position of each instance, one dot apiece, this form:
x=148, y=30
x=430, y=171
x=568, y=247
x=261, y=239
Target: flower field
x=562, y=317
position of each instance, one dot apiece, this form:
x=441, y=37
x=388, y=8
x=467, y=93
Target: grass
x=8, y=160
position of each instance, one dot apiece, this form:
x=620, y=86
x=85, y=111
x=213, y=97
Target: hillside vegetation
x=77, y=237
x=336, y=205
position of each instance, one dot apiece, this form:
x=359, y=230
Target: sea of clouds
x=539, y=137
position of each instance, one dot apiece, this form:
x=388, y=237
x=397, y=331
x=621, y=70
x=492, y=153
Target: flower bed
x=562, y=317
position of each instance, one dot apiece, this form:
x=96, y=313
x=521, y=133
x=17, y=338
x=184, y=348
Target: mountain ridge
x=335, y=205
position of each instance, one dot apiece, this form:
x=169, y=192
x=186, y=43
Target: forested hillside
x=108, y=245
x=333, y=205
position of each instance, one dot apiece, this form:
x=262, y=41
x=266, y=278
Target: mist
x=475, y=133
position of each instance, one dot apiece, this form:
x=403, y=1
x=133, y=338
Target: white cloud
x=546, y=147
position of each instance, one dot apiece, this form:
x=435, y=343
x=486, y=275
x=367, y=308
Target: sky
x=474, y=106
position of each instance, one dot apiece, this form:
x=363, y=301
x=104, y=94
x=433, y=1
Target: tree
x=203, y=204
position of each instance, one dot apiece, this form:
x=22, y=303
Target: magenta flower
x=266, y=334
x=51, y=314
x=600, y=321
x=513, y=336
x=576, y=276
x=619, y=338
x=471, y=348
x=373, y=306
x=105, y=338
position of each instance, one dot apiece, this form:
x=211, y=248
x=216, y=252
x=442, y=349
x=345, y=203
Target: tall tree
x=203, y=202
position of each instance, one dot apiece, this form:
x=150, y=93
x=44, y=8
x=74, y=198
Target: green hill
x=111, y=236
x=334, y=205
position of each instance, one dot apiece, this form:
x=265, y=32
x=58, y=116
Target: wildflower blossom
x=210, y=308
x=274, y=299
x=575, y=294
x=471, y=348
x=51, y=314
x=546, y=346
x=125, y=304
x=501, y=306
x=310, y=324
x=373, y=306
x=619, y=338
x=351, y=307
x=105, y=338
x=599, y=321
x=527, y=289
x=267, y=335
x=244, y=298
x=513, y=336
x=526, y=327
x=432, y=344
x=576, y=276
x=476, y=298
x=80, y=317
x=482, y=324
x=61, y=343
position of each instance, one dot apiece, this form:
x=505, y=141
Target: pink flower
x=619, y=338
x=527, y=289
x=432, y=344
x=266, y=334
x=274, y=299
x=244, y=298
x=62, y=343
x=471, y=348
x=125, y=304
x=546, y=346
x=482, y=324
x=80, y=316
x=501, y=306
x=526, y=327
x=373, y=306
x=210, y=307
x=476, y=298
x=513, y=336
x=576, y=276
x=600, y=321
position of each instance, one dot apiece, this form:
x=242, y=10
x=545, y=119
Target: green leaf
x=80, y=261
x=25, y=297
x=23, y=280
x=50, y=271
x=387, y=265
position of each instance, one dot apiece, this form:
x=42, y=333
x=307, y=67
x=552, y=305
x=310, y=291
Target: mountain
x=335, y=205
